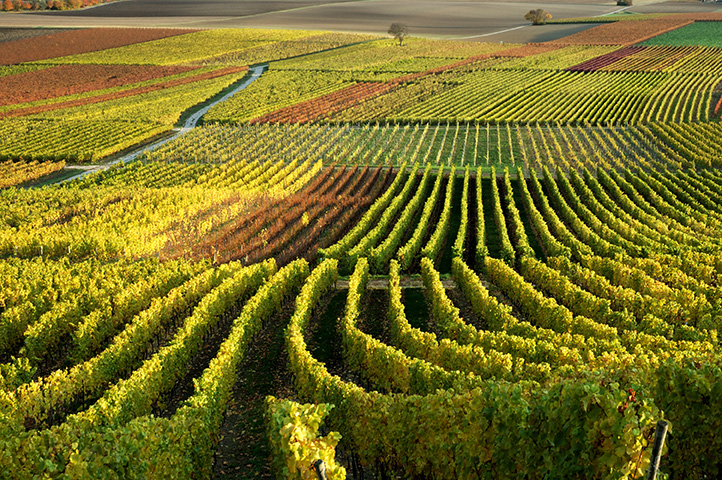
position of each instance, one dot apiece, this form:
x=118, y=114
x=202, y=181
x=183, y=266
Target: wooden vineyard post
x=659, y=436
x=320, y=468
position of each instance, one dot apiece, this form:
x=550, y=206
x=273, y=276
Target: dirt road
x=190, y=123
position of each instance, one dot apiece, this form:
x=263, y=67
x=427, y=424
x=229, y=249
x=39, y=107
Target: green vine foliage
x=599, y=426
x=295, y=444
x=148, y=447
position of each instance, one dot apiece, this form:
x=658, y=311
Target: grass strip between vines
x=243, y=450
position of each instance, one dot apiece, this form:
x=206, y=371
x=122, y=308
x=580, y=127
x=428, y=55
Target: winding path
x=190, y=123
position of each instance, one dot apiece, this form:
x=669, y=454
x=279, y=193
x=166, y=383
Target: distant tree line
x=16, y=5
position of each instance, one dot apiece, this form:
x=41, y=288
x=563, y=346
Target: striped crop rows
x=657, y=146
x=572, y=296
x=617, y=296
x=143, y=210
x=471, y=260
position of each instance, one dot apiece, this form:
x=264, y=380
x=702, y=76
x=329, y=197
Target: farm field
x=706, y=34
x=436, y=260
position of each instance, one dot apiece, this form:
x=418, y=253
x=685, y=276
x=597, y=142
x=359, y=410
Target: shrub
x=539, y=16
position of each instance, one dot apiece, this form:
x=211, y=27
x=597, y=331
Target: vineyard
x=704, y=34
x=443, y=260
x=656, y=145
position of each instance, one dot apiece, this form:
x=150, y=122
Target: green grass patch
x=703, y=34
x=492, y=233
x=325, y=340
x=447, y=253
x=526, y=221
x=417, y=311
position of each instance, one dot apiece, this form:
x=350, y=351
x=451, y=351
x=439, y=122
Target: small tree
x=399, y=31
x=624, y=3
x=538, y=16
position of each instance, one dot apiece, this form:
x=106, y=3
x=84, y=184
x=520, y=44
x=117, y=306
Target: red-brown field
x=327, y=104
x=79, y=41
x=605, y=60
x=294, y=226
x=72, y=79
x=123, y=93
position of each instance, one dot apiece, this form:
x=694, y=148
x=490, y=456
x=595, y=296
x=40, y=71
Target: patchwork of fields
x=472, y=260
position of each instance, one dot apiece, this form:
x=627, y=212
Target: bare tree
x=538, y=16
x=399, y=31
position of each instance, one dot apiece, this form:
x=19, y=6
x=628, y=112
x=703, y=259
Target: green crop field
x=233, y=253
x=704, y=34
